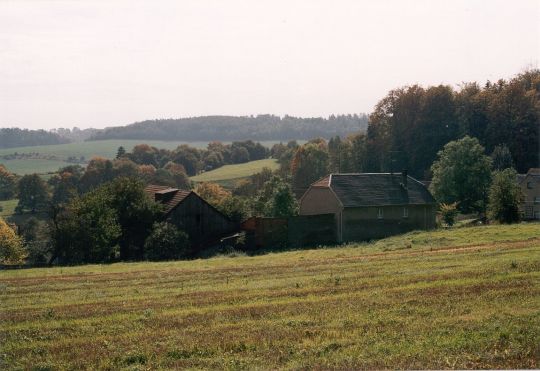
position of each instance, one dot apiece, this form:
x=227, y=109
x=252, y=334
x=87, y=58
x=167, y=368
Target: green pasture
x=103, y=148
x=466, y=298
x=229, y=174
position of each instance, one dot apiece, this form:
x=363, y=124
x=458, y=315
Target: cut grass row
x=459, y=298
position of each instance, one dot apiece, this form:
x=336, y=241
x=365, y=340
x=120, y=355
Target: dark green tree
x=462, y=174
x=121, y=152
x=501, y=158
x=166, y=242
x=504, y=197
x=32, y=193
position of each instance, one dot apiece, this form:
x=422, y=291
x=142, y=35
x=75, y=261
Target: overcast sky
x=102, y=63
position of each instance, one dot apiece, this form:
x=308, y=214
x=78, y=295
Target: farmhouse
x=530, y=190
x=188, y=211
x=371, y=205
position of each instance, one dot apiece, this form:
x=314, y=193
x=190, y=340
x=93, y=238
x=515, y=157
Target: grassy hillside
x=8, y=207
x=103, y=148
x=228, y=174
x=467, y=298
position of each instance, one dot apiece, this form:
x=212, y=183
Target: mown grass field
x=103, y=148
x=228, y=175
x=462, y=298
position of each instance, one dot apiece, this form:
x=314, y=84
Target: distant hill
x=228, y=128
x=15, y=137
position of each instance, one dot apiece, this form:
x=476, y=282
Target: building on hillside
x=530, y=190
x=204, y=224
x=371, y=205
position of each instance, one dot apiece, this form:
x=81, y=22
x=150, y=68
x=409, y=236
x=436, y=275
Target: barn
x=204, y=224
x=371, y=205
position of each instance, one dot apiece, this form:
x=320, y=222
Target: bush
x=504, y=197
x=166, y=242
x=449, y=213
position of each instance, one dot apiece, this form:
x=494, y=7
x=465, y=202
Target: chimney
x=404, y=178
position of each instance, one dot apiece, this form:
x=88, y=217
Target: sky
x=100, y=63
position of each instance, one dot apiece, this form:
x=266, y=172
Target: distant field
x=8, y=207
x=103, y=148
x=458, y=298
x=229, y=174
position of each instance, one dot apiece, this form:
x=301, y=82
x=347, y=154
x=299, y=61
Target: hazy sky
x=102, y=63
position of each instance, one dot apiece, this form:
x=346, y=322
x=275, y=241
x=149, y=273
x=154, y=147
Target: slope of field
x=229, y=174
x=437, y=300
x=8, y=207
x=61, y=152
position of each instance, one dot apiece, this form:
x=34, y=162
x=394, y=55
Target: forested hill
x=223, y=128
x=14, y=137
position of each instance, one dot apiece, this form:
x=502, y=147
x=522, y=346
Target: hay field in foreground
x=458, y=298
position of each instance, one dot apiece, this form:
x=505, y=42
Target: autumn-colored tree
x=212, y=193
x=98, y=171
x=12, y=249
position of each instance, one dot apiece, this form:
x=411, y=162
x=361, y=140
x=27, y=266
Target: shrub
x=166, y=242
x=449, y=213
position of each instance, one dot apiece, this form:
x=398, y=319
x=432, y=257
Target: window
x=537, y=200
x=529, y=185
x=405, y=212
x=380, y=213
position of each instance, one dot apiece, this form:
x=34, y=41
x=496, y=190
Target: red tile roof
x=167, y=196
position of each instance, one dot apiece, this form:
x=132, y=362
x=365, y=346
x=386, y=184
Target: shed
x=203, y=223
x=371, y=205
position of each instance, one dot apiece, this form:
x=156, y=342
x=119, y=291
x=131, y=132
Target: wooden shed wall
x=200, y=220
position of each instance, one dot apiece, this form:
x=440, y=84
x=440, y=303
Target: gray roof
x=376, y=189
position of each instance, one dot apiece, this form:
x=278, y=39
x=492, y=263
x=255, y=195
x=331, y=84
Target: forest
x=228, y=128
x=15, y=137
x=411, y=124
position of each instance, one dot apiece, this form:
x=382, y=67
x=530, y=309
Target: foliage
x=111, y=222
x=8, y=184
x=15, y=137
x=33, y=194
x=309, y=164
x=283, y=202
x=260, y=127
x=135, y=213
x=212, y=193
x=504, y=197
x=35, y=233
x=462, y=174
x=87, y=231
x=501, y=158
x=411, y=124
x=449, y=213
x=12, y=250
x=166, y=242
x=235, y=207
x=275, y=199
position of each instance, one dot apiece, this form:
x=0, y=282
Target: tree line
x=411, y=124
x=227, y=128
x=15, y=137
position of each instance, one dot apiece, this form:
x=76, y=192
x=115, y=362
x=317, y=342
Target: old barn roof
x=169, y=197
x=375, y=189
